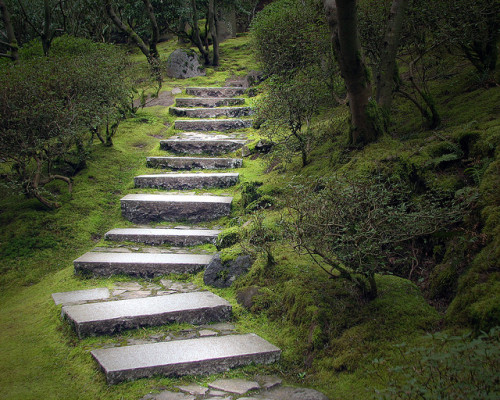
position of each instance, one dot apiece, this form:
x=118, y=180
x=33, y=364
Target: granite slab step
x=76, y=296
x=206, y=125
x=215, y=91
x=228, y=112
x=139, y=264
x=157, y=236
x=143, y=208
x=105, y=318
x=209, y=102
x=202, y=146
x=186, y=181
x=200, y=356
x=188, y=163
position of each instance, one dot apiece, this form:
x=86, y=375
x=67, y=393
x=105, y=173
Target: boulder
x=221, y=274
x=184, y=63
x=246, y=296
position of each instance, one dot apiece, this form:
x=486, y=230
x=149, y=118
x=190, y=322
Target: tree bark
x=155, y=32
x=11, y=37
x=212, y=22
x=387, y=68
x=196, y=34
x=342, y=20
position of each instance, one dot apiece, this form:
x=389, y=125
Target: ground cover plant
x=441, y=187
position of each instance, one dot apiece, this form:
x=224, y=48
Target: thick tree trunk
x=47, y=35
x=366, y=126
x=212, y=23
x=155, y=32
x=11, y=37
x=387, y=68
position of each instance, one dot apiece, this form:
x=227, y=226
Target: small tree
x=48, y=107
x=355, y=229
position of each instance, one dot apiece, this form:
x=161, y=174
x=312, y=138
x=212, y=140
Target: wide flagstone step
x=188, y=163
x=156, y=236
x=209, y=102
x=109, y=317
x=215, y=91
x=205, y=125
x=139, y=264
x=228, y=112
x=143, y=208
x=202, y=144
x=186, y=181
x=200, y=356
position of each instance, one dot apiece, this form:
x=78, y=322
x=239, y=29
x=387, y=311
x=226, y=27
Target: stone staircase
x=98, y=312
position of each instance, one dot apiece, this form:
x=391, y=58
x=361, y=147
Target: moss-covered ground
x=329, y=334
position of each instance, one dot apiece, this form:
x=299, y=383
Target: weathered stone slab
x=80, y=295
x=139, y=264
x=201, y=146
x=194, y=389
x=176, y=237
x=168, y=395
x=113, y=316
x=186, y=181
x=228, y=112
x=237, y=386
x=209, y=102
x=290, y=393
x=143, y=208
x=184, y=357
x=215, y=91
x=188, y=163
x=206, y=125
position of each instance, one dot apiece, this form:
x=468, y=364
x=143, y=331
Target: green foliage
x=447, y=367
x=364, y=227
x=228, y=237
x=48, y=107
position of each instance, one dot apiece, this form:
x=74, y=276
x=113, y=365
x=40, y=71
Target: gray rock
x=237, y=386
x=167, y=395
x=194, y=389
x=269, y=382
x=80, y=295
x=205, y=125
x=187, y=181
x=176, y=237
x=209, y=102
x=143, y=208
x=184, y=357
x=188, y=163
x=290, y=393
x=221, y=275
x=206, y=333
x=215, y=91
x=176, y=91
x=184, y=63
x=113, y=316
x=246, y=296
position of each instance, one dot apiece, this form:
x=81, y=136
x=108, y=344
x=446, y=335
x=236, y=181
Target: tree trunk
x=387, y=68
x=212, y=23
x=11, y=37
x=155, y=33
x=47, y=35
x=196, y=35
x=366, y=123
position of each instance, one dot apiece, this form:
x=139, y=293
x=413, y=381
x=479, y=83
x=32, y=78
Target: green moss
x=228, y=237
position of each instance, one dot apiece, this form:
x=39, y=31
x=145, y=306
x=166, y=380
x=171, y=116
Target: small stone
x=268, y=382
x=166, y=283
x=220, y=327
x=166, y=395
x=249, y=398
x=193, y=389
x=128, y=286
x=217, y=393
x=118, y=292
x=237, y=386
x=290, y=393
x=176, y=91
x=207, y=332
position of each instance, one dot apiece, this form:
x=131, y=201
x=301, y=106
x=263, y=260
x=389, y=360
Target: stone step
x=139, y=264
x=186, y=181
x=144, y=208
x=205, y=125
x=203, y=146
x=175, y=237
x=229, y=112
x=188, y=163
x=105, y=318
x=215, y=91
x=209, y=102
x=206, y=355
